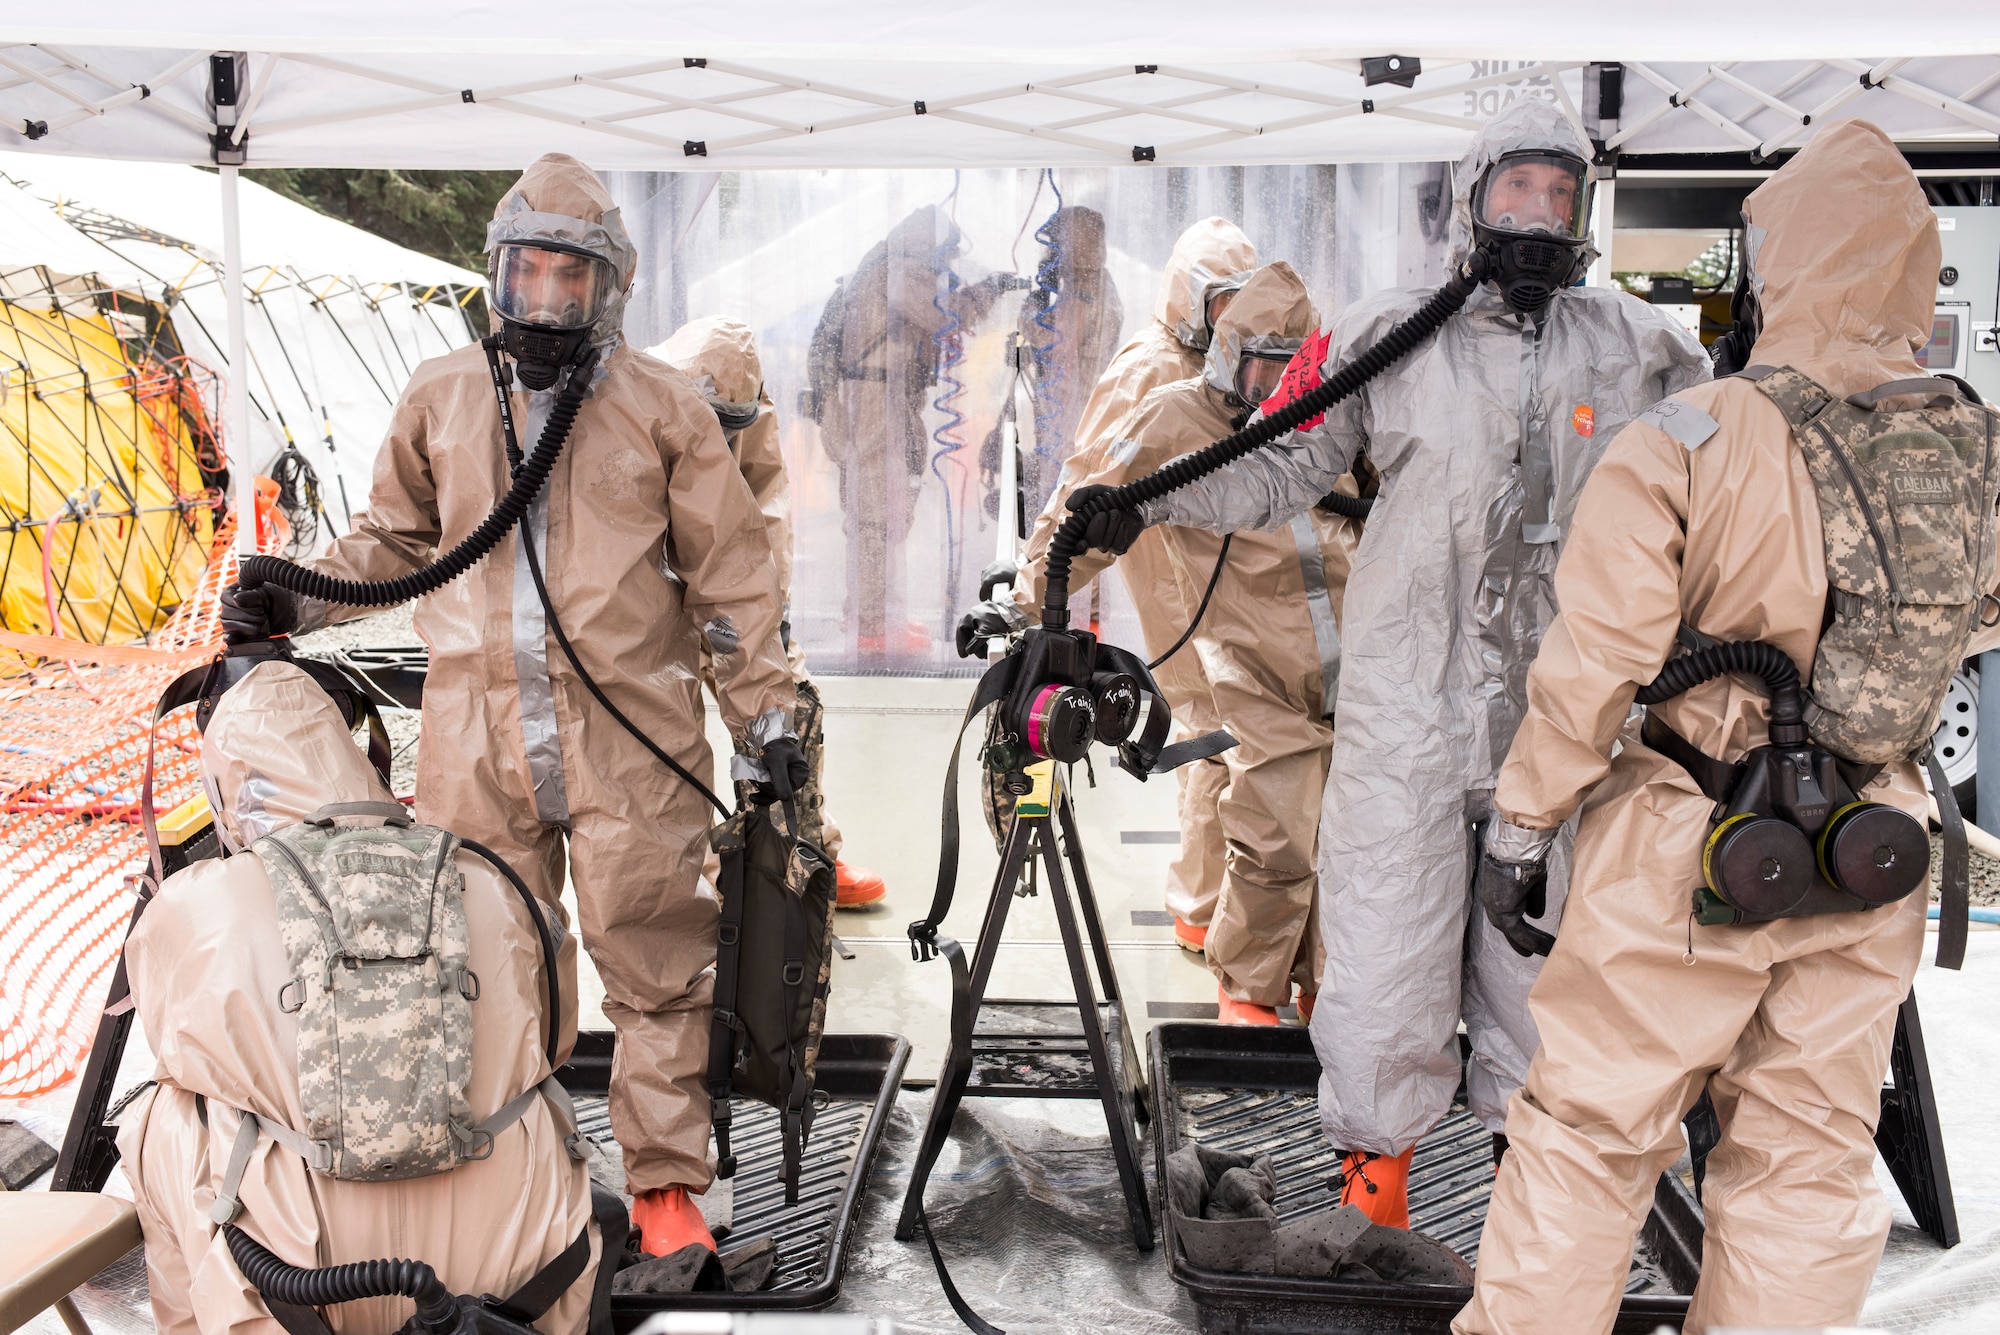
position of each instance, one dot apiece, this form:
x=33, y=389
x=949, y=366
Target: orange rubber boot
x=668, y=1220
x=856, y=886
x=1306, y=1000
x=1190, y=937
x=1230, y=1011
x=1379, y=1184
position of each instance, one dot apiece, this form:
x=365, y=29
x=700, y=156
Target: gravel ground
x=1985, y=874
x=383, y=630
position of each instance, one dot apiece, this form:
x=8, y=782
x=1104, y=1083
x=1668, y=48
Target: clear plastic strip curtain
x=904, y=316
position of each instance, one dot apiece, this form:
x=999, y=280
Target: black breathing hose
x=1775, y=666
x=533, y=475
x=1388, y=350
x=1347, y=507
x=279, y=1281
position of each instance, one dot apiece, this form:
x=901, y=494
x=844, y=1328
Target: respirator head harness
x=1531, y=210
x=548, y=296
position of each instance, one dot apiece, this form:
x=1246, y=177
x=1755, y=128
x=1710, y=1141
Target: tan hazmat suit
x=872, y=398
x=206, y=964
x=1482, y=436
x=1069, y=326
x=1269, y=648
x=1707, y=513
x=1210, y=255
x=720, y=356
x=655, y=554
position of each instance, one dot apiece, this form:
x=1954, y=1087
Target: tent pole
x=236, y=414
x=1601, y=228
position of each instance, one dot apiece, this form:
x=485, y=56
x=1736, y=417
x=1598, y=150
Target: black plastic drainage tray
x=858, y=1075
x=1254, y=1090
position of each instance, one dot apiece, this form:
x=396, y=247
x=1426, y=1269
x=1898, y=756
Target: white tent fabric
x=338, y=317
x=794, y=84
x=183, y=203
x=33, y=237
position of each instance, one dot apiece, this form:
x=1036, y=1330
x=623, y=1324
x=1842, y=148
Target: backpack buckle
x=795, y=973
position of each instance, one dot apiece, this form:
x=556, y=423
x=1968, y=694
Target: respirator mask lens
x=1527, y=194
x=1258, y=374
x=552, y=289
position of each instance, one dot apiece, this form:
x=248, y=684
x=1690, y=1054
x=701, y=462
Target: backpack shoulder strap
x=1939, y=393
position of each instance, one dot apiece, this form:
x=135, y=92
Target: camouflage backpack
x=373, y=923
x=1906, y=502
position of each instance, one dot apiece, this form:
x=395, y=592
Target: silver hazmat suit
x=1483, y=438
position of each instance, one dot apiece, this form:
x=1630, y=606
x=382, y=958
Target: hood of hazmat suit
x=559, y=201
x=655, y=555
x=1483, y=438
x=720, y=356
x=1211, y=253
x=206, y=965
x=1704, y=511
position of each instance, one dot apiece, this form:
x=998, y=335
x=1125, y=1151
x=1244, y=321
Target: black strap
x=549, y=1283
x=1194, y=748
x=297, y=1320
x=798, y=1089
x=1715, y=778
x=1954, y=899
x=999, y=679
x=552, y=1043
x=974, y=1322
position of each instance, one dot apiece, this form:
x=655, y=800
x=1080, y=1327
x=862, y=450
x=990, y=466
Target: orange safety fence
x=74, y=720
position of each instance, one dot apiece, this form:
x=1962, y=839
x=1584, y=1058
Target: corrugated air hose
x=296, y=1286
x=528, y=482
x=1385, y=352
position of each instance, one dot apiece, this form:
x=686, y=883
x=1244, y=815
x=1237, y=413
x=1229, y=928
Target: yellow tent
x=109, y=472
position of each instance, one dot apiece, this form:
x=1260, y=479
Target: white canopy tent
x=878, y=83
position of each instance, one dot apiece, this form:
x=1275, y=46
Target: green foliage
x=441, y=213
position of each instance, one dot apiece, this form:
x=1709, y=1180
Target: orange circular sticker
x=1583, y=419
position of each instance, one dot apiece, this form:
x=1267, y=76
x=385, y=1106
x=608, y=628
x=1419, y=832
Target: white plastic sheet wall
x=767, y=248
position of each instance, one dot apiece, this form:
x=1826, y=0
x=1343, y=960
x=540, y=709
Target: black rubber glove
x=1511, y=893
x=988, y=621
x=1000, y=572
x=1113, y=530
x=785, y=762
x=259, y=613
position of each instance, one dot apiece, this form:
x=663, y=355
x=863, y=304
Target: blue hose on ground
x=1979, y=914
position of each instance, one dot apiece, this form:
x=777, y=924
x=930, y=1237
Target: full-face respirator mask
x=1531, y=210
x=548, y=297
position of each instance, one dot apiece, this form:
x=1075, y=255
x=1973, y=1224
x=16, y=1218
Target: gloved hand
x=990, y=620
x=1113, y=530
x=1000, y=572
x=1513, y=883
x=785, y=762
x=259, y=613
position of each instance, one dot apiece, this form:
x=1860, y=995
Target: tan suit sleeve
x=762, y=462
x=716, y=545
x=1619, y=586
x=399, y=531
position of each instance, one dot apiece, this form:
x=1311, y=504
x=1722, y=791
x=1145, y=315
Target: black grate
x=804, y=1232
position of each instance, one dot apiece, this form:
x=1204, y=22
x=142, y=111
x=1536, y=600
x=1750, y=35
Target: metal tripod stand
x=1076, y=1049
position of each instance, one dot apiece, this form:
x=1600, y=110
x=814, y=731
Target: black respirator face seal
x=1532, y=208
x=1731, y=351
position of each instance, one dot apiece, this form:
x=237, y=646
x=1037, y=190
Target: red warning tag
x=1584, y=419
x=1301, y=374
